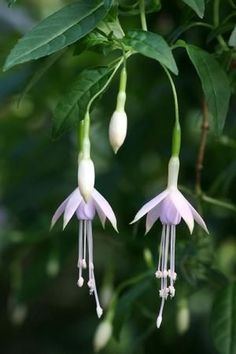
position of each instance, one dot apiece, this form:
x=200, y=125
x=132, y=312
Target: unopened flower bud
x=86, y=178
x=183, y=317
x=102, y=335
x=117, y=129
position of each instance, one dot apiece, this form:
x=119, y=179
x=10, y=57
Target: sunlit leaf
x=223, y=321
x=197, y=5
x=57, y=31
x=232, y=39
x=151, y=45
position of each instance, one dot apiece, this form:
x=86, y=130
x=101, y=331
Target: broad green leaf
x=223, y=320
x=215, y=85
x=57, y=31
x=197, y=5
x=232, y=39
x=151, y=45
x=73, y=105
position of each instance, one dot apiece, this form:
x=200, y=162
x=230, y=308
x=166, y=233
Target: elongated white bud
x=86, y=178
x=117, y=129
x=102, y=335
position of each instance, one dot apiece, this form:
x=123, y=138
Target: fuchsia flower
x=85, y=212
x=170, y=206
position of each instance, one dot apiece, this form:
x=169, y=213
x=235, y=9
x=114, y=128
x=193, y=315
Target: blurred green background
x=42, y=310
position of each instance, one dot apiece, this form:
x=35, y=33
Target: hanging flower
x=170, y=206
x=85, y=212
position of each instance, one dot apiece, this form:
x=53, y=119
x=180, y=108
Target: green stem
x=219, y=203
x=123, y=79
x=189, y=26
x=142, y=15
x=84, y=135
x=176, y=138
x=216, y=20
x=106, y=84
x=121, y=97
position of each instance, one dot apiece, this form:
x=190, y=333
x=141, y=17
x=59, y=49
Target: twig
x=202, y=147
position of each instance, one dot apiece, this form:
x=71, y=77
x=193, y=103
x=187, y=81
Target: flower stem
x=142, y=15
x=176, y=138
x=216, y=19
x=121, y=98
x=202, y=148
x=84, y=136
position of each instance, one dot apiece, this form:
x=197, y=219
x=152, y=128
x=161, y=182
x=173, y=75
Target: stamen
x=92, y=282
x=167, y=255
x=80, y=262
x=85, y=239
x=161, y=249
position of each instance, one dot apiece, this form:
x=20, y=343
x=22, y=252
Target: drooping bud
x=117, y=130
x=102, y=335
x=118, y=123
x=86, y=178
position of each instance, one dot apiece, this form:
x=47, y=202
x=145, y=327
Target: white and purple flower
x=170, y=207
x=85, y=212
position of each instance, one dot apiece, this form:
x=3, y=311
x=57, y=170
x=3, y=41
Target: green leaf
x=232, y=39
x=197, y=5
x=57, y=31
x=215, y=85
x=126, y=304
x=111, y=26
x=108, y=4
x=11, y=2
x=72, y=107
x=153, y=46
x=219, y=30
x=223, y=320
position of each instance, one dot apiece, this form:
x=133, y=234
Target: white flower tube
x=86, y=178
x=117, y=129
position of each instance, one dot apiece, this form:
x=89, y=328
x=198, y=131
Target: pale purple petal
x=86, y=211
x=150, y=205
x=105, y=207
x=152, y=217
x=59, y=212
x=73, y=203
x=198, y=218
x=169, y=215
x=183, y=208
